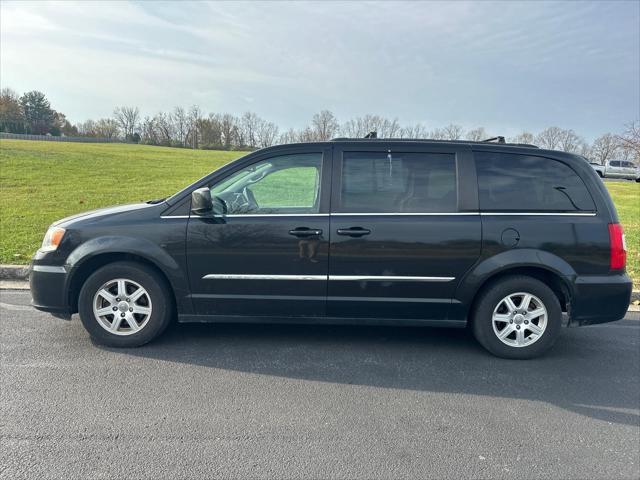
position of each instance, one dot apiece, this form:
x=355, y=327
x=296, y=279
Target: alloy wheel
x=519, y=319
x=122, y=306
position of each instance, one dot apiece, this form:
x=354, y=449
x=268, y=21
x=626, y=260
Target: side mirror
x=203, y=204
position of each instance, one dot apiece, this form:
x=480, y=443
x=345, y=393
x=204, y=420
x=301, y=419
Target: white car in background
x=617, y=169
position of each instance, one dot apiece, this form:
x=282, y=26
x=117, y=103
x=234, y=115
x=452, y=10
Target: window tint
x=614, y=163
x=378, y=182
x=285, y=184
x=522, y=183
x=628, y=164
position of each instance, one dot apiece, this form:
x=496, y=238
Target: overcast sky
x=506, y=66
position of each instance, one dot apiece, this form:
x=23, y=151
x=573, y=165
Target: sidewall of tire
x=161, y=300
x=487, y=302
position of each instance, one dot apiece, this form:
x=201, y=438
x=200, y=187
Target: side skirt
x=185, y=318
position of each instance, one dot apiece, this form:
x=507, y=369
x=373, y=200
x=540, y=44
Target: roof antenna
x=372, y=134
x=494, y=139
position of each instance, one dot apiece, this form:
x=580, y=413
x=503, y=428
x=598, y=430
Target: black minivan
x=501, y=238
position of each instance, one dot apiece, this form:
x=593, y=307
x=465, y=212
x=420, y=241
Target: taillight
x=618, y=257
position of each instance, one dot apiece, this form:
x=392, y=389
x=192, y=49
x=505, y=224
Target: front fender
x=509, y=260
x=139, y=247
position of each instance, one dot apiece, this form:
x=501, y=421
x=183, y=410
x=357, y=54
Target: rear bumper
x=48, y=286
x=600, y=299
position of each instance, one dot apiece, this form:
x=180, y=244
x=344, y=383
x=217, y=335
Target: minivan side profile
x=509, y=240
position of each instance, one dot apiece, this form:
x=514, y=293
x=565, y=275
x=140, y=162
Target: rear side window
x=526, y=183
x=377, y=182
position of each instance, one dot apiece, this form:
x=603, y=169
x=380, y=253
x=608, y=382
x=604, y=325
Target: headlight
x=52, y=239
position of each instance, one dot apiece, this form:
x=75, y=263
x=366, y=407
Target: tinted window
x=523, y=183
x=285, y=184
x=398, y=182
x=628, y=165
x=614, y=163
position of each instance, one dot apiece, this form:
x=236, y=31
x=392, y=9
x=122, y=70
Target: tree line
x=192, y=128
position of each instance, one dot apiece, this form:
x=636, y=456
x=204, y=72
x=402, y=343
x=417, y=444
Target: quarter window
x=285, y=184
x=526, y=183
x=380, y=182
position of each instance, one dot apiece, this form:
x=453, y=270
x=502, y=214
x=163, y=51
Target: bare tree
x=477, y=134
x=290, y=136
x=164, y=128
x=193, y=120
x=267, y=133
x=585, y=150
x=570, y=141
x=414, y=131
x=248, y=129
x=630, y=139
x=87, y=128
x=180, y=121
x=127, y=119
x=229, y=128
x=149, y=132
x=325, y=125
x=106, y=127
x=452, y=132
x=524, y=137
x=604, y=148
x=550, y=138
x=211, y=131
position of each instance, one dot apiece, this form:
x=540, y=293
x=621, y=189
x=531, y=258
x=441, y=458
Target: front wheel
x=517, y=317
x=125, y=304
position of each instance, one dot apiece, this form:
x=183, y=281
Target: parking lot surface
x=252, y=401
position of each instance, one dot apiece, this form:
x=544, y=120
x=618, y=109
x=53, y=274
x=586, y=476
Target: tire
x=600, y=174
x=493, y=316
x=139, y=317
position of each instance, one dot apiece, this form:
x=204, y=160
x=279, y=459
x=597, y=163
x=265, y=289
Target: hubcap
x=122, y=306
x=519, y=319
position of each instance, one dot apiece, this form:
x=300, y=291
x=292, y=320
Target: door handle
x=354, y=231
x=302, y=232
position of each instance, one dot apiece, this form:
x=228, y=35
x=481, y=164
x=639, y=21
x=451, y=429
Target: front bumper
x=600, y=299
x=48, y=284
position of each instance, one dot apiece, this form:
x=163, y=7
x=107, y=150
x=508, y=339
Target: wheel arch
x=102, y=251
x=553, y=271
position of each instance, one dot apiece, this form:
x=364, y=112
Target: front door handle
x=354, y=231
x=303, y=232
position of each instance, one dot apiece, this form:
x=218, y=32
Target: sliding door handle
x=303, y=232
x=354, y=231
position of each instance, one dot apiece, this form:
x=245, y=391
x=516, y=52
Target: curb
x=14, y=272
x=21, y=272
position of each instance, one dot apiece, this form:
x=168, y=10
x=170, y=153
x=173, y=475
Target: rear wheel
x=517, y=317
x=125, y=304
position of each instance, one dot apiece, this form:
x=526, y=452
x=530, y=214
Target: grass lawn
x=626, y=196
x=41, y=182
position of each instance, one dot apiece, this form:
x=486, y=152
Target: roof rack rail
x=493, y=141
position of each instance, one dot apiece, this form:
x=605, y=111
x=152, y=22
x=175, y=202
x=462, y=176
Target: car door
x=268, y=255
x=405, y=229
x=614, y=169
x=628, y=169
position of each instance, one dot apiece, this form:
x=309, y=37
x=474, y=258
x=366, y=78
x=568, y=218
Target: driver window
x=284, y=184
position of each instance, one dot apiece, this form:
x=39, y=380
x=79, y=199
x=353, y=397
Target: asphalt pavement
x=251, y=401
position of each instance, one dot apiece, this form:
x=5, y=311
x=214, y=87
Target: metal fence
x=51, y=138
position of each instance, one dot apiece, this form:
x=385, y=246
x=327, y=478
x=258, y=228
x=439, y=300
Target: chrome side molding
x=348, y=278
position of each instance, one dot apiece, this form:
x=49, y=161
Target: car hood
x=101, y=213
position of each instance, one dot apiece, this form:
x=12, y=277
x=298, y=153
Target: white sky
x=506, y=66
